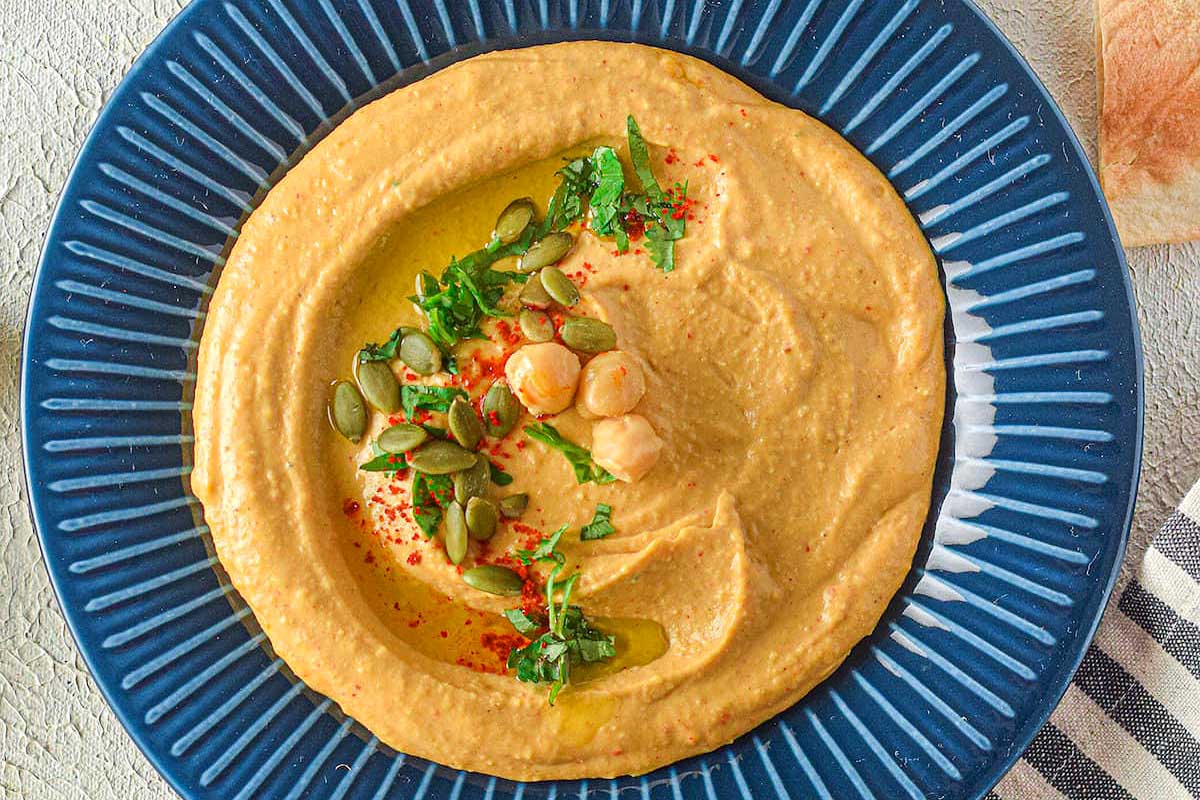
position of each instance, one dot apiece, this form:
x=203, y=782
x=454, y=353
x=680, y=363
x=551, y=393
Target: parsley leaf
x=601, y=524
x=639, y=154
x=526, y=624
x=382, y=461
x=430, y=398
x=546, y=550
x=385, y=351
x=579, y=457
x=499, y=476
x=429, y=493
x=606, y=198
x=568, y=639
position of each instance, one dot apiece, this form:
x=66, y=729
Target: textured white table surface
x=60, y=60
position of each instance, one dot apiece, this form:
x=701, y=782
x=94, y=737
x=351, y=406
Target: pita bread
x=1148, y=65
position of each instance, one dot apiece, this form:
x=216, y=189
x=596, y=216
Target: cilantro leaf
x=429, y=492
x=579, y=457
x=601, y=524
x=430, y=398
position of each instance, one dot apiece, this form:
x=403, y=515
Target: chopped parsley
x=385, y=351
x=601, y=524
x=579, y=457
x=430, y=398
x=429, y=494
x=568, y=638
x=382, y=461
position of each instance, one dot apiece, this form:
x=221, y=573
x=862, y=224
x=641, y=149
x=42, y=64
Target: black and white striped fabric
x=1128, y=727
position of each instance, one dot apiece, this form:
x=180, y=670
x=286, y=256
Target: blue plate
x=1034, y=484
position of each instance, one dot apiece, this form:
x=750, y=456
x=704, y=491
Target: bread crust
x=1148, y=70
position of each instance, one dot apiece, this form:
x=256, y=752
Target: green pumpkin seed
x=440, y=457
x=514, y=505
x=378, y=385
x=473, y=481
x=514, y=219
x=426, y=285
x=456, y=533
x=533, y=294
x=536, y=325
x=501, y=410
x=421, y=355
x=401, y=438
x=559, y=286
x=546, y=251
x=347, y=411
x=464, y=423
x=482, y=517
x=588, y=335
x=494, y=579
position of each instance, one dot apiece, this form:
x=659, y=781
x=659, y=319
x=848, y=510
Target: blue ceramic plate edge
x=1034, y=722
x=1037, y=721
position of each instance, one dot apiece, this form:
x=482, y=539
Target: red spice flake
x=520, y=444
x=671, y=157
x=444, y=634
x=414, y=622
x=713, y=159
x=350, y=507
x=742, y=111
x=699, y=163
x=507, y=334
x=500, y=644
x=414, y=557
x=635, y=225
x=370, y=558
x=493, y=417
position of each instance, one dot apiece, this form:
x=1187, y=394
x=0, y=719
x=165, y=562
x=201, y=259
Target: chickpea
x=626, y=446
x=543, y=377
x=612, y=383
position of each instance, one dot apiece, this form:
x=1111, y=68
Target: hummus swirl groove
x=793, y=370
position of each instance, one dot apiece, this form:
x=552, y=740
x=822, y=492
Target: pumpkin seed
x=493, y=579
x=426, y=285
x=546, y=251
x=440, y=457
x=588, y=335
x=347, y=411
x=481, y=518
x=401, y=438
x=533, y=294
x=514, y=505
x=536, y=325
x=456, y=533
x=559, y=286
x=514, y=219
x=464, y=423
x=501, y=410
x=378, y=385
x=473, y=481
x=419, y=352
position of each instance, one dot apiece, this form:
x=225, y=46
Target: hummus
x=793, y=370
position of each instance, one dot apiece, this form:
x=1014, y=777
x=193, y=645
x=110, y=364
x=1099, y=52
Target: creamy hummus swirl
x=793, y=368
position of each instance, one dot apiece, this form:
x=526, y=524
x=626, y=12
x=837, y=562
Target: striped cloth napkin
x=1128, y=727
